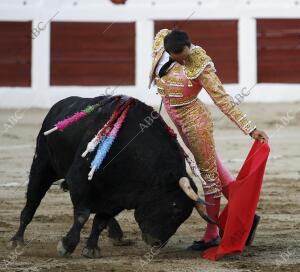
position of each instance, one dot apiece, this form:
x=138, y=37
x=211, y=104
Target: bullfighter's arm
x=212, y=84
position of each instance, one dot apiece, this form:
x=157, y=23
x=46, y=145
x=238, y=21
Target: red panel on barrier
x=278, y=50
x=92, y=53
x=15, y=54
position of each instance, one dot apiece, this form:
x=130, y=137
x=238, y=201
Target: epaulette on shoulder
x=197, y=62
x=159, y=39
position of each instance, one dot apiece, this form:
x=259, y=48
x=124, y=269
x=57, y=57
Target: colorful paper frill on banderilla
x=105, y=143
x=62, y=125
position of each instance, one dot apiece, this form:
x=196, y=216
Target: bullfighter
x=179, y=71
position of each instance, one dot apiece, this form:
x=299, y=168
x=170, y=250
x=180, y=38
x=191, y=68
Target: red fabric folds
x=236, y=219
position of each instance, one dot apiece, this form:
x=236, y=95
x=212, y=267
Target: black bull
x=140, y=172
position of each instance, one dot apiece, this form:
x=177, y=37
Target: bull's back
x=63, y=145
x=143, y=147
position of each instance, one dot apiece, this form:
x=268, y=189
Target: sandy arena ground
x=277, y=244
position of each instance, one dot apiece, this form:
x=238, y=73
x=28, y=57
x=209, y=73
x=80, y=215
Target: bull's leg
x=114, y=230
x=42, y=175
x=92, y=250
x=79, y=192
x=115, y=233
x=68, y=243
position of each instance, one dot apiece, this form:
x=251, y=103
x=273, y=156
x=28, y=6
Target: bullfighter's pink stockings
x=212, y=231
x=213, y=211
x=225, y=177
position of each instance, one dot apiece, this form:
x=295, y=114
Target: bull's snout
x=150, y=240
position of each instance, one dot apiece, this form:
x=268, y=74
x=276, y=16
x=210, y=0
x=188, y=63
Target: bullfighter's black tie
x=164, y=69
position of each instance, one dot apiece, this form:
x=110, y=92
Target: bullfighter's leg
x=41, y=176
x=79, y=192
x=225, y=177
x=201, y=142
x=195, y=125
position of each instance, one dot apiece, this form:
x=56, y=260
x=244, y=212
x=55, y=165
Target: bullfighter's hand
x=259, y=135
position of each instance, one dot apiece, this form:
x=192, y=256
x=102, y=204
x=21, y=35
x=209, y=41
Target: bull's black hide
x=141, y=172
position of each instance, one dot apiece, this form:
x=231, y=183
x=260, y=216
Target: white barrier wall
x=143, y=12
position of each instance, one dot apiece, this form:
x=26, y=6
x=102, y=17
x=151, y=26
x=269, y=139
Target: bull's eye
x=175, y=209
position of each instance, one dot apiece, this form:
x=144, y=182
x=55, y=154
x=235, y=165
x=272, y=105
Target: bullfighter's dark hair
x=176, y=40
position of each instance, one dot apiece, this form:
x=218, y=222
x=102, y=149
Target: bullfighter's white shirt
x=164, y=59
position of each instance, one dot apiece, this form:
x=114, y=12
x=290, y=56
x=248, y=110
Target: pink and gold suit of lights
x=179, y=89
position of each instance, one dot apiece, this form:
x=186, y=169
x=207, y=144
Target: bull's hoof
x=91, y=253
x=62, y=251
x=121, y=242
x=15, y=243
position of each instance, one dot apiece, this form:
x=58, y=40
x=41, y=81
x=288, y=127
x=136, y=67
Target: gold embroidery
x=196, y=63
x=172, y=85
x=169, y=88
x=161, y=92
x=157, y=51
x=172, y=81
x=180, y=101
x=159, y=40
x=223, y=100
x=195, y=125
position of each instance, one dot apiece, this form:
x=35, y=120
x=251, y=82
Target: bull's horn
x=185, y=185
x=204, y=215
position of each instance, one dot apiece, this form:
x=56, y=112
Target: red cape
x=235, y=221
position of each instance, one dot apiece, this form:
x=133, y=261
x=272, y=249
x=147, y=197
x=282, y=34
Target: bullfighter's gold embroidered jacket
x=182, y=84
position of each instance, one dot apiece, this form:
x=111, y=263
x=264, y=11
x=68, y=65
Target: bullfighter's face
x=160, y=216
x=181, y=57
